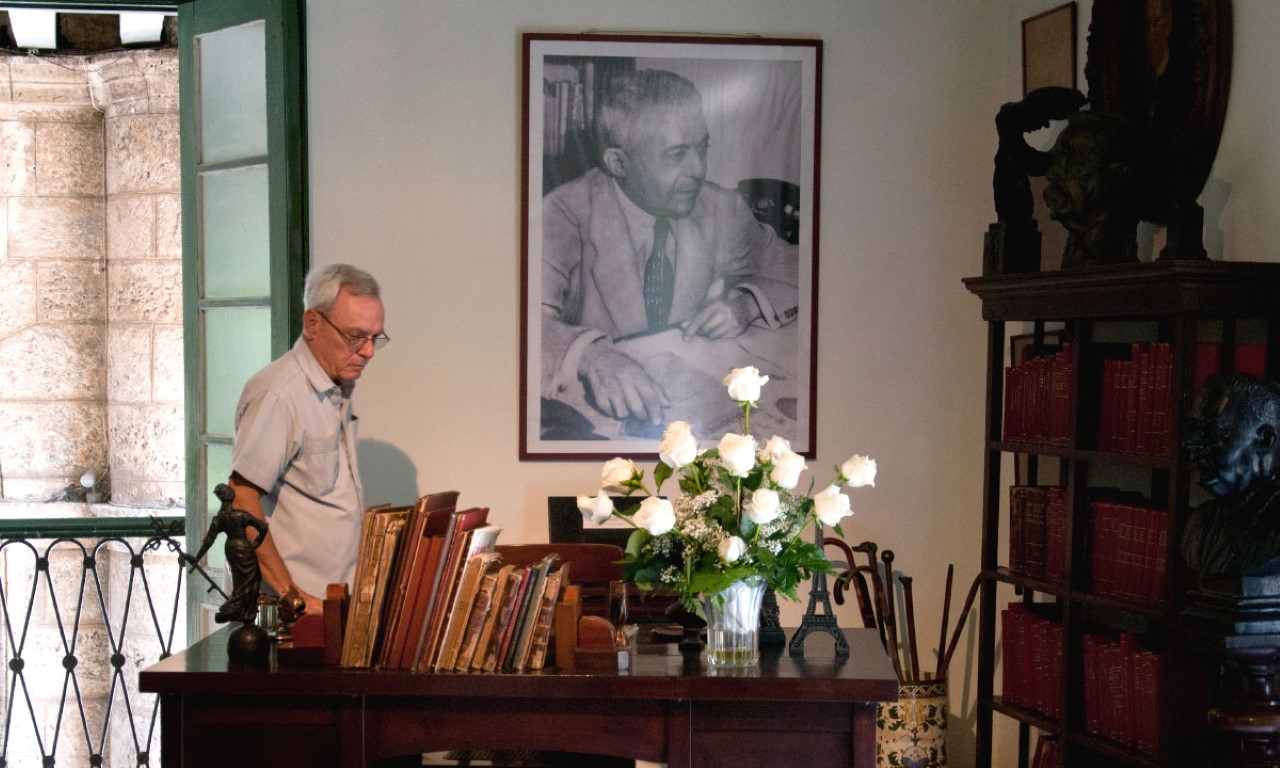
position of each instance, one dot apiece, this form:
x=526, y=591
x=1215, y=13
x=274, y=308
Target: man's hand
x=724, y=318
x=312, y=605
x=619, y=386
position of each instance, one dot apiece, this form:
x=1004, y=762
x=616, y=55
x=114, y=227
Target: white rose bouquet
x=739, y=514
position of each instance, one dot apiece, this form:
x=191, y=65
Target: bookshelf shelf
x=1086, y=492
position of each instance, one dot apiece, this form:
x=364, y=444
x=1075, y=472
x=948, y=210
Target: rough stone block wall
x=144, y=278
x=91, y=367
x=53, y=277
x=91, y=270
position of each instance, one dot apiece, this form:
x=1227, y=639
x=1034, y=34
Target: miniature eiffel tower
x=814, y=621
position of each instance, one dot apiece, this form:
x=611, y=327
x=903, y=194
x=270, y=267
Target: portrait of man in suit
x=645, y=263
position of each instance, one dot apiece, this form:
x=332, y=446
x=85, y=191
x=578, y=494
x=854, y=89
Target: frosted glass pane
x=237, y=344
x=234, y=235
x=232, y=82
x=218, y=459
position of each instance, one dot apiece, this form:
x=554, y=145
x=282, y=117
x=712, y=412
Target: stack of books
x=1122, y=690
x=1129, y=550
x=1037, y=401
x=1032, y=659
x=1135, y=417
x=432, y=595
x=1038, y=532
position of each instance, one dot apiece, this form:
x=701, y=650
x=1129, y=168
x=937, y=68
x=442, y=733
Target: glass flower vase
x=733, y=623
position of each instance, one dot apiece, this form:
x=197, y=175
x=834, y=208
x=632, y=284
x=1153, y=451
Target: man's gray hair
x=636, y=95
x=323, y=284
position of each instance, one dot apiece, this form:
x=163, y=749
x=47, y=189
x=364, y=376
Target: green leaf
x=660, y=474
x=638, y=538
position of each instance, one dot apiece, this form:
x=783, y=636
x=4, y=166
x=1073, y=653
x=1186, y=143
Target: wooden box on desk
x=583, y=642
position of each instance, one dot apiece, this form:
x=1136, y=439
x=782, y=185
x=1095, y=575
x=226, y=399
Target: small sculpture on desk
x=248, y=642
x=1233, y=440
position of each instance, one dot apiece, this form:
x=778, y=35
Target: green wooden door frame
x=287, y=203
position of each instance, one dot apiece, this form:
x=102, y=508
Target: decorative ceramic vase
x=912, y=731
x=733, y=623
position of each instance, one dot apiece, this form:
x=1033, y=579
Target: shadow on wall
x=388, y=472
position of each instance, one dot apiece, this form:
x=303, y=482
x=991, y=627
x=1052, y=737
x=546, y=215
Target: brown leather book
x=410, y=562
x=456, y=541
x=421, y=583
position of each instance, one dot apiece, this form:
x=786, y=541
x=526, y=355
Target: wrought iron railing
x=84, y=604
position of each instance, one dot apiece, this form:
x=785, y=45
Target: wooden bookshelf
x=1099, y=314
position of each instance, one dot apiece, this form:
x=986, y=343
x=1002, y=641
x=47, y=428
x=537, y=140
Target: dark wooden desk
x=812, y=712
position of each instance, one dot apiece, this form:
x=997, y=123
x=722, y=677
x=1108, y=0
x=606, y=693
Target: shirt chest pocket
x=318, y=465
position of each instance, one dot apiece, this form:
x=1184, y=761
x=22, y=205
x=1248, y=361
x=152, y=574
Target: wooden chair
x=565, y=524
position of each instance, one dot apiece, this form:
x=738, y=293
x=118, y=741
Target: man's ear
x=309, y=321
x=615, y=162
x=1266, y=439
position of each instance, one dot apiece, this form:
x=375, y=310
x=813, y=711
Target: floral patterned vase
x=733, y=623
x=912, y=731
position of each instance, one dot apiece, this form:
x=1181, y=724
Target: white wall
x=414, y=128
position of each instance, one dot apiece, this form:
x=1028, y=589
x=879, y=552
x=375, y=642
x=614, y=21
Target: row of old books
x=1134, y=416
x=1038, y=532
x=1128, y=551
x=426, y=596
x=1032, y=658
x=1037, y=404
x=1122, y=690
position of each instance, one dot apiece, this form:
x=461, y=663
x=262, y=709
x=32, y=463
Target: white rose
x=732, y=548
x=775, y=447
x=596, y=509
x=830, y=505
x=618, y=475
x=859, y=471
x=744, y=384
x=764, y=505
x=678, y=446
x=738, y=453
x=786, y=470
x=655, y=515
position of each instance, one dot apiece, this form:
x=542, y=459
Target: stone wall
x=91, y=274
x=91, y=377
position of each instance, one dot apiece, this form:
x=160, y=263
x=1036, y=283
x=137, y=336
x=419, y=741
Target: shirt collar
x=320, y=380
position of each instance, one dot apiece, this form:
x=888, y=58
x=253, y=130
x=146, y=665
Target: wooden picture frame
x=740, y=152
x=1049, y=49
x=1048, y=59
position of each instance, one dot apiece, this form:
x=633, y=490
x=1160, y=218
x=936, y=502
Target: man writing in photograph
x=644, y=243
x=293, y=463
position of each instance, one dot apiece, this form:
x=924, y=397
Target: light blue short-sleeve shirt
x=295, y=439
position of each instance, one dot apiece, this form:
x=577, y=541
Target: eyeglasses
x=354, y=342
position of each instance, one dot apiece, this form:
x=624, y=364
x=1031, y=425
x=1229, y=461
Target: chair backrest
x=591, y=566
x=565, y=524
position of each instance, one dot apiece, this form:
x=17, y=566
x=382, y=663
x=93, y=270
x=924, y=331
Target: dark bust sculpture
x=1093, y=189
x=1233, y=440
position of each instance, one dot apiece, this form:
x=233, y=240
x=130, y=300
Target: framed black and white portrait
x=669, y=235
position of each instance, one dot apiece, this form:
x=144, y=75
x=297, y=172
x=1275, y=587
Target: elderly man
x=293, y=463
x=645, y=243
